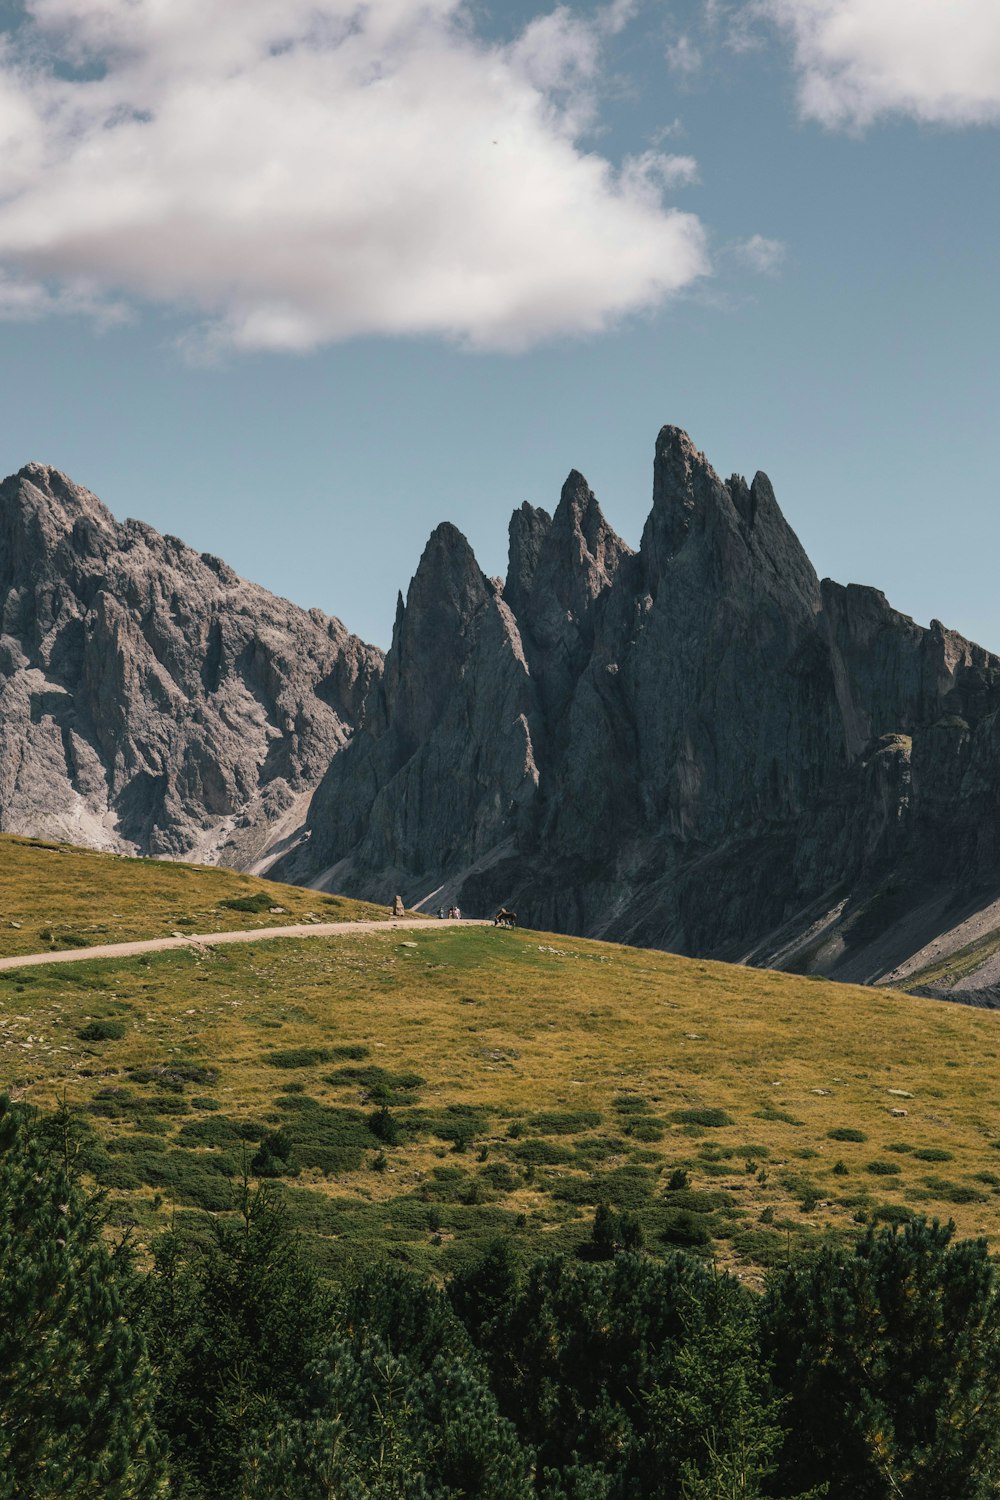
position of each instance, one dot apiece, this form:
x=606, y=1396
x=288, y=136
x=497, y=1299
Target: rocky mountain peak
x=154, y=701
x=448, y=578
x=528, y=530
x=40, y=508
x=688, y=499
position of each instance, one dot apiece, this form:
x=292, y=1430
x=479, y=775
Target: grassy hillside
x=417, y=1092
x=57, y=896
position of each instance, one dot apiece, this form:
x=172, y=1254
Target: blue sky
x=297, y=298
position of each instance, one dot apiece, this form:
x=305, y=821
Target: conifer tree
x=398, y=1407
x=890, y=1361
x=232, y=1327
x=76, y=1389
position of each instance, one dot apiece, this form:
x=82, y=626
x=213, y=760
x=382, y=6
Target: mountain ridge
x=701, y=745
x=696, y=744
x=151, y=700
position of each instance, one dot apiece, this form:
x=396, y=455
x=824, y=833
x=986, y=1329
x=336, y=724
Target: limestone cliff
x=696, y=745
x=150, y=700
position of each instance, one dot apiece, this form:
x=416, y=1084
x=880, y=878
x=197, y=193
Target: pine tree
x=76, y=1389
x=232, y=1327
x=397, y=1408
x=890, y=1361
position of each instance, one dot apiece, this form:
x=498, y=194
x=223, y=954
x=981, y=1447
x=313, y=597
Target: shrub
x=380, y=1085
x=569, y=1122
x=846, y=1133
x=72, y=940
x=683, y=1227
x=260, y=901
x=102, y=1031
x=711, y=1119
x=933, y=1153
x=219, y=1130
x=677, y=1180
x=385, y=1127
x=298, y=1057
x=274, y=1158
x=772, y=1112
x=883, y=1168
x=872, y=1389
x=543, y=1153
x=631, y=1104
x=130, y=1145
x=954, y=1192
x=174, y=1075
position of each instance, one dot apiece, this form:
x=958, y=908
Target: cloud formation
x=761, y=254
x=936, y=61
x=321, y=169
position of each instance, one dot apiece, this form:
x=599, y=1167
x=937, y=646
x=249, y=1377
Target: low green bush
x=954, y=1192
x=299, y=1057
x=711, y=1119
x=174, y=1075
x=631, y=1104
x=543, y=1153
x=102, y=1031
x=260, y=901
x=568, y=1122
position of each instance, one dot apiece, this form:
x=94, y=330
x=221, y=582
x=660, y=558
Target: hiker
x=440, y=913
x=458, y=915
x=505, y=918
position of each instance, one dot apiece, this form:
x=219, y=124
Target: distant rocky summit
x=696, y=745
x=150, y=700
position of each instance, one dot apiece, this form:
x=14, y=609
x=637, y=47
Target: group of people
x=454, y=915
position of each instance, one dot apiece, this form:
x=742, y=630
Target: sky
x=296, y=282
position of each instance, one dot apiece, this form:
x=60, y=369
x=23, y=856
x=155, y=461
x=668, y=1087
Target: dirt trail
x=205, y=940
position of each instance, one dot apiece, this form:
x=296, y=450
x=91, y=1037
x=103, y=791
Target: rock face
x=150, y=700
x=697, y=745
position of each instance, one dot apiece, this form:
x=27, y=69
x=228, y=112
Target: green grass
x=416, y=1098
x=55, y=896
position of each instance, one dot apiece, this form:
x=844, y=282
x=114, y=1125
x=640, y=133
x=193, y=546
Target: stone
x=151, y=701
x=694, y=745
x=697, y=746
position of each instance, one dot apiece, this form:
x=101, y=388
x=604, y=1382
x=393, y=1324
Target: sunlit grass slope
x=418, y=1092
x=57, y=896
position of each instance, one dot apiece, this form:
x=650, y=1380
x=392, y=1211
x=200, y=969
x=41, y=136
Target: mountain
x=150, y=700
x=697, y=746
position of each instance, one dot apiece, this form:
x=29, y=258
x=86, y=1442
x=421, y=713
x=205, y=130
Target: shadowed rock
x=697, y=745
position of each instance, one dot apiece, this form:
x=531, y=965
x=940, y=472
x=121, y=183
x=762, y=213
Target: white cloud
x=24, y=300
x=321, y=169
x=683, y=57
x=645, y=175
x=858, y=60
x=760, y=254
